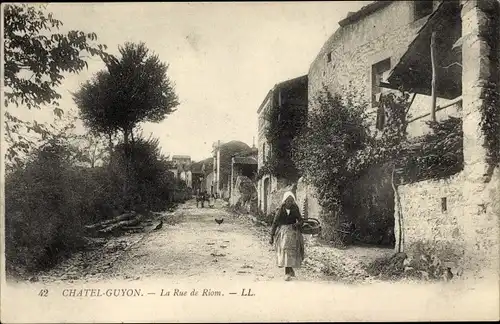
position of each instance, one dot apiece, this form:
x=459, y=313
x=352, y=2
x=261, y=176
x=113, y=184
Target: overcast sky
x=224, y=58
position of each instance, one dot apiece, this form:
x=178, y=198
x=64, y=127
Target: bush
x=336, y=130
x=49, y=201
x=42, y=210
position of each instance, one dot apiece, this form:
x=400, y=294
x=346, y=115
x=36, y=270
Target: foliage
x=35, y=60
x=438, y=154
x=490, y=123
x=337, y=149
x=45, y=207
x=134, y=89
x=334, y=132
x=56, y=181
x=95, y=149
x=338, y=154
x=52, y=197
x=284, y=123
x=151, y=184
x=490, y=114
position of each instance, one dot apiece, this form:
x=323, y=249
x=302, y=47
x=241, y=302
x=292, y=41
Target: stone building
x=457, y=217
x=242, y=182
x=181, y=160
x=287, y=95
x=374, y=52
x=365, y=48
x=356, y=61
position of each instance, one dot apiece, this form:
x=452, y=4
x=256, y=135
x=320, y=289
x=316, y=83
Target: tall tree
x=35, y=59
x=134, y=89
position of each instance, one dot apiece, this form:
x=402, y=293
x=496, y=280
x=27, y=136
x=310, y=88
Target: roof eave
x=363, y=12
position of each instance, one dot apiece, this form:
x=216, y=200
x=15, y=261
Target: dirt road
x=190, y=245
x=191, y=251
x=194, y=245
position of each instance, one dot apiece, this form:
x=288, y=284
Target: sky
x=223, y=59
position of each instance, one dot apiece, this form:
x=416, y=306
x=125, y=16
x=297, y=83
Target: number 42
x=43, y=293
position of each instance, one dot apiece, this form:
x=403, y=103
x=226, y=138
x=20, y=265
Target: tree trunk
x=110, y=145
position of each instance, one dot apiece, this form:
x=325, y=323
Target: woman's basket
x=310, y=226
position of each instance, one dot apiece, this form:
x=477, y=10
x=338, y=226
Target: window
x=329, y=57
x=264, y=152
x=422, y=9
x=379, y=72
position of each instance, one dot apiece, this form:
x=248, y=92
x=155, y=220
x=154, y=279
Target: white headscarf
x=286, y=195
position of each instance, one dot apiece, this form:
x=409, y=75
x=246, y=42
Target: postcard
x=250, y=161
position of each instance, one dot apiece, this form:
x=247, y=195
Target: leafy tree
x=134, y=89
x=94, y=148
x=35, y=60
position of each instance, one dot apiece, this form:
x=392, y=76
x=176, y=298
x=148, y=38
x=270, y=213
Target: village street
x=191, y=245
x=191, y=251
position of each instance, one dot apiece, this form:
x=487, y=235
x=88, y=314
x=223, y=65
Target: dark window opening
x=422, y=9
x=444, y=206
x=329, y=57
x=379, y=72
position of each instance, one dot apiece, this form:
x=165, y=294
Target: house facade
x=243, y=168
x=371, y=54
x=182, y=169
x=181, y=160
x=458, y=217
x=359, y=56
x=286, y=96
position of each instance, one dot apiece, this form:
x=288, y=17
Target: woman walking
x=286, y=236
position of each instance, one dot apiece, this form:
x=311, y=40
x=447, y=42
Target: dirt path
x=191, y=245
x=192, y=252
x=196, y=246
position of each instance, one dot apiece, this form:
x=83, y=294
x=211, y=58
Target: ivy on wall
x=284, y=124
x=337, y=147
x=436, y=155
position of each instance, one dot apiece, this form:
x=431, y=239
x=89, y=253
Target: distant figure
x=211, y=201
x=200, y=198
x=219, y=221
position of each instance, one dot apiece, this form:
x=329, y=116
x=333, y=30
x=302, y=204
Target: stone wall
x=307, y=200
x=467, y=233
x=424, y=220
x=480, y=193
x=244, y=195
x=355, y=48
x=310, y=208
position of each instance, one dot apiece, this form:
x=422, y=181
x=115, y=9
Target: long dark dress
x=288, y=241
